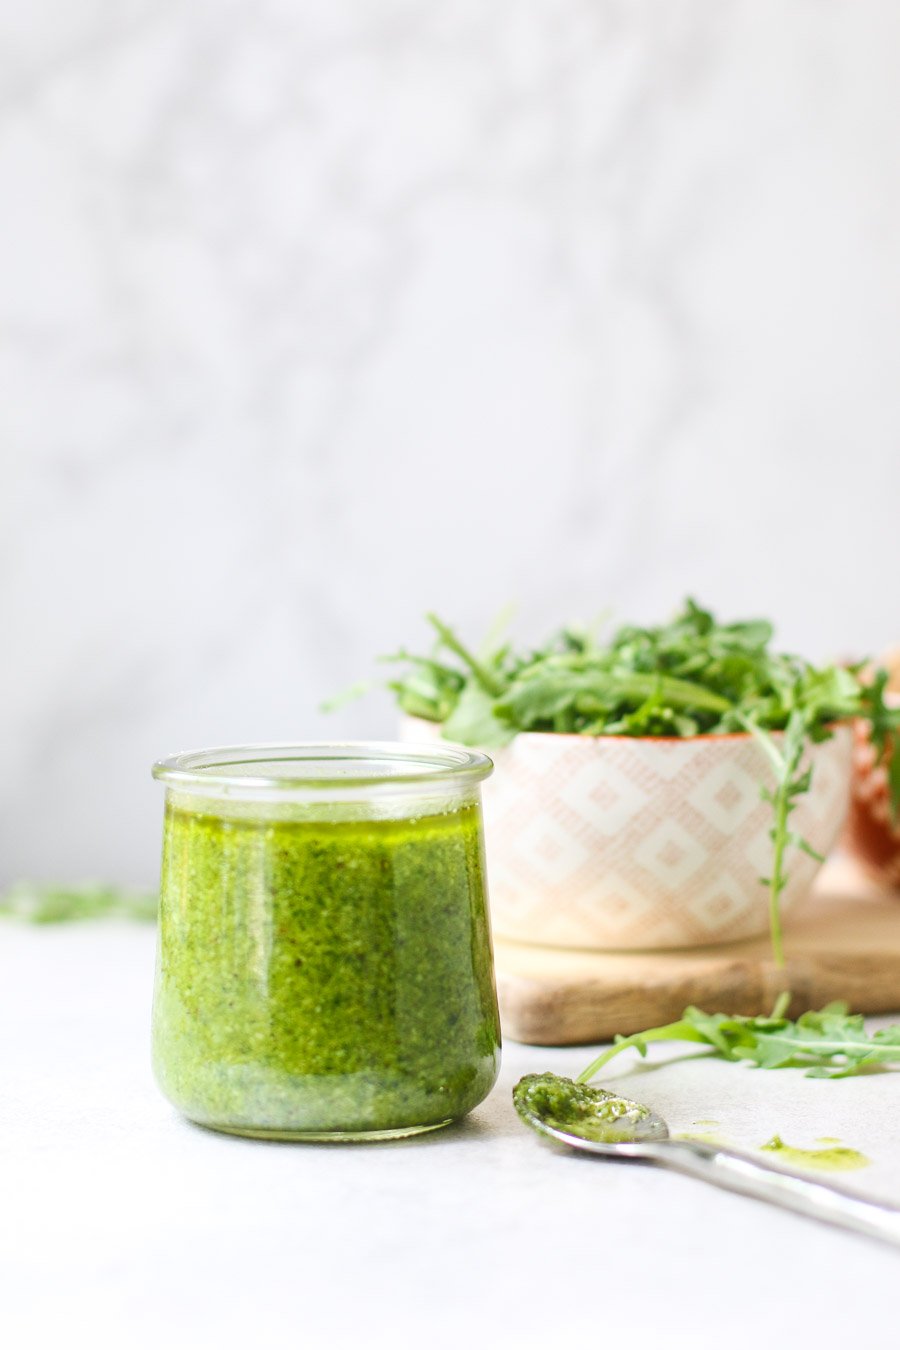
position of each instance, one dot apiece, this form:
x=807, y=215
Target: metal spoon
x=601, y=1122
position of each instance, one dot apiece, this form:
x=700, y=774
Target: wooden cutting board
x=843, y=944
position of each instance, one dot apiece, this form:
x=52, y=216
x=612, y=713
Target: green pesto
x=324, y=977
x=706, y=1134
x=589, y=1113
x=819, y=1159
x=703, y=1137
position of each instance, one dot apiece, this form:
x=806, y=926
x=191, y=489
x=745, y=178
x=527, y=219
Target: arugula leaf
x=831, y=1043
x=475, y=720
x=64, y=904
x=489, y=680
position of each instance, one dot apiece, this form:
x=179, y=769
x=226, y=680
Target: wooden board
x=843, y=944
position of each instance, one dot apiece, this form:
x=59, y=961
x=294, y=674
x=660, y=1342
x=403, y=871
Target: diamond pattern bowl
x=618, y=842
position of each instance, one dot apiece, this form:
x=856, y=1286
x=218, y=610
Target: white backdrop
x=317, y=315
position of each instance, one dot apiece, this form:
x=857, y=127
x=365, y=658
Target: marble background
x=317, y=315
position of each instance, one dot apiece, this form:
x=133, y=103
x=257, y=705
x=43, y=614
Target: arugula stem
x=825, y=1049
x=674, y=1031
x=764, y=740
x=781, y=806
x=490, y=683
x=776, y=884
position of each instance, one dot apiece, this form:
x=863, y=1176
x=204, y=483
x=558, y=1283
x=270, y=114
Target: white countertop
x=125, y=1225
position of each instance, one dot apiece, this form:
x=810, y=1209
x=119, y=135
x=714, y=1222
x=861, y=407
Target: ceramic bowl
x=637, y=843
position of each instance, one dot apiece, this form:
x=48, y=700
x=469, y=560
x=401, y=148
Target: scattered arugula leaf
x=691, y=677
x=64, y=904
x=831, y=1043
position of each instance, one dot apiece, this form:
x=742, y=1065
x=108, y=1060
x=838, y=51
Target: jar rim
x=339, y=765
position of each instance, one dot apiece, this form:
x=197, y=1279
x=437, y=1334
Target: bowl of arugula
x=673, y=786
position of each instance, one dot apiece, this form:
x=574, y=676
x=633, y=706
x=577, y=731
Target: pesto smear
x=323, y=976
x=837, y=1158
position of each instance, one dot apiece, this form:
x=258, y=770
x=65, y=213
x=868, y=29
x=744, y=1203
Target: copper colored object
x=871, y=834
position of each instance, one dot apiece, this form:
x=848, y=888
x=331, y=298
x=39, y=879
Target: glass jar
x=324, y=967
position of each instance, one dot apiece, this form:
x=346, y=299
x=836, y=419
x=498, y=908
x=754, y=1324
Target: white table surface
x=121, y=1225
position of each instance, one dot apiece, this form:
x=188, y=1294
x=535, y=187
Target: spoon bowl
x=569, y=1112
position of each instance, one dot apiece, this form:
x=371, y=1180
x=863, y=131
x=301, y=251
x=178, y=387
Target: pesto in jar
x=323, y=976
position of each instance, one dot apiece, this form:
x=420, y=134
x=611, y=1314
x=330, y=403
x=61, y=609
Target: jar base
x=326, y=1136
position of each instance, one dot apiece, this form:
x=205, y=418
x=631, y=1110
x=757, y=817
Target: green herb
x=63, y=904
x=828, y=1044
x=691, y=677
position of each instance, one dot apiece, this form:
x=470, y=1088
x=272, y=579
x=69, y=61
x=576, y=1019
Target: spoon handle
x=803, y=1195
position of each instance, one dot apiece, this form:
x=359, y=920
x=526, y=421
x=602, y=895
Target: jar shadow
x=468, y=1129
